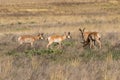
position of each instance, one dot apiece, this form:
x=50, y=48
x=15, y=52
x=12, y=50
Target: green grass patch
x=68, y=43
x=43, y=51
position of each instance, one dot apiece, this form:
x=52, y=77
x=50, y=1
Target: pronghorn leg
x=60, y=45
x=94, y=44
x=99, y=42
x=92, y=41
x=91, y=44
x=31, y=44
x=49, y=44
x=21, y=42
x=85, y=44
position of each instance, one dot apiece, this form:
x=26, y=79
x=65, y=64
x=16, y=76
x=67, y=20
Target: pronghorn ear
x=42, y=33
x=80, y=29
x=68, y=33
x=83, y=29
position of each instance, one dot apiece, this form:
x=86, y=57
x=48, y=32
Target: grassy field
x=72, y=62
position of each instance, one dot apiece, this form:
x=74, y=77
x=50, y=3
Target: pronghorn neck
x=82, y=33
x=64, y=37
x=83, y=36
x=36, y=38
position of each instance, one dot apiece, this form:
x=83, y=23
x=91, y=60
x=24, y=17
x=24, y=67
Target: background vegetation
x=72, y=61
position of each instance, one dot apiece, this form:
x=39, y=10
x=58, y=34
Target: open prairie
x=72, y=61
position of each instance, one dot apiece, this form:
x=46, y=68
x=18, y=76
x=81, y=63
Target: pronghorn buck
x=57, y=38
x=90, y=38
x=30, y=38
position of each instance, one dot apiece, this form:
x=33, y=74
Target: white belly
x=54, y=40
x=28, y=40
x=57, y=40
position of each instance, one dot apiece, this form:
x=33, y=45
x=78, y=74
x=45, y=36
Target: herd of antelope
x=89, y=38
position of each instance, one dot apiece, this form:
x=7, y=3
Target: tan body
x=29, y=38
x=85, y=34
x=94, y=37
x=91, y=38
x=57, y=38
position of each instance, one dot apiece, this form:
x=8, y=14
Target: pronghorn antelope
x=29, y=38
x=57, y=38
x=90, y=38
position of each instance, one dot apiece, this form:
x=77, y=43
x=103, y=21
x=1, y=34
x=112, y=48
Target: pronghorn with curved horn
x=57, y=38
x=29, y=38
x=90, y=38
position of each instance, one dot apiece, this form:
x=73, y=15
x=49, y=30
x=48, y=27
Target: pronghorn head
x=82, y=32
x=40, y=36
x=68, y=35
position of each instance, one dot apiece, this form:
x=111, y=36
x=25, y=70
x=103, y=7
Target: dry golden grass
x=70, y=63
